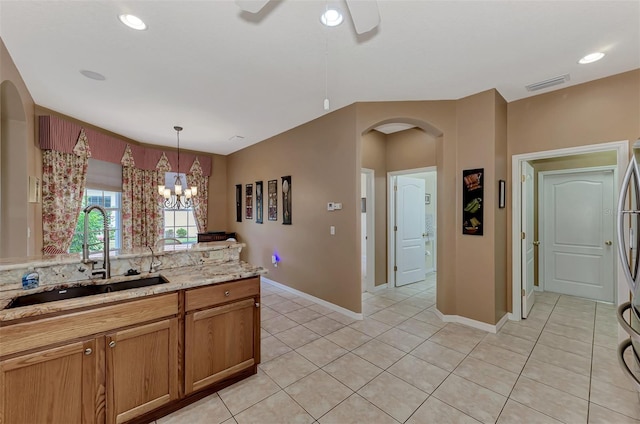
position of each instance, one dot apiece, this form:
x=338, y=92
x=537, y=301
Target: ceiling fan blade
x=364, y=14
x=251, y=6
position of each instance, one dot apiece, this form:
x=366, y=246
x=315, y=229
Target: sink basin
x=81, y=291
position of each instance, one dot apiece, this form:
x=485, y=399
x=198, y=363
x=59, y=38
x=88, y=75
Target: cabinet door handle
x=112, y=343
x=227, y=293
x=88, y=351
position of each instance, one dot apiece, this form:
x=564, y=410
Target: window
x=110, y=200
x=180, y=224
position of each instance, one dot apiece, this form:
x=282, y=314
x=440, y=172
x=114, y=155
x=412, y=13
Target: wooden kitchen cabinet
x=142, y=369
x=222, y=337
x=56, y=385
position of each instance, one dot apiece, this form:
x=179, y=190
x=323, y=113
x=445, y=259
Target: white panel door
x=528, y=249
x=577, y=236
x=410, y=221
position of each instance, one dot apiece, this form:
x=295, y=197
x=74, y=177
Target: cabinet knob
x=257, y=304
x=608, y=242
x=227, y=293
x=112, y=343
x=88, y=351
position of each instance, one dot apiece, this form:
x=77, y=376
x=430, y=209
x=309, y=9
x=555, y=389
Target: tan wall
x=501, y=217
x=324, y=164
x=374, y=157
x=475, y=255
x=599, y=111
x=21, y=159
x=410, y=149
x=217, y=212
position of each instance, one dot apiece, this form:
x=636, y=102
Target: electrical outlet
x=273, y=259
x=337, y=206
x=332, y=230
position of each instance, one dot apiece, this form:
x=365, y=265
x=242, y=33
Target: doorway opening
x=412, y=228
x=367, y=231
x=528, y=233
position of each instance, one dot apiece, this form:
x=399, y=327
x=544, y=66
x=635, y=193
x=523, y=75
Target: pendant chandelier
x=178, y=198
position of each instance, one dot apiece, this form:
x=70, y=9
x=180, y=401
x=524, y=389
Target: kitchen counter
x=178, y=278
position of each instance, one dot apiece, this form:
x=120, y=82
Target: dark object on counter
x=81, y=291
x=133, y=272
x=215, y=236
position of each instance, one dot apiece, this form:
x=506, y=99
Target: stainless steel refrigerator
x=628, y=231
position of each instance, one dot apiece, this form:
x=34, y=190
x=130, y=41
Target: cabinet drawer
x=46, y=331
x=220, y=293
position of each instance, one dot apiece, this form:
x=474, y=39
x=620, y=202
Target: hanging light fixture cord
x=326, y=63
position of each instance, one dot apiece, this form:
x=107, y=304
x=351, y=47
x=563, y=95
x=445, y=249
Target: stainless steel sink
x=81, y=291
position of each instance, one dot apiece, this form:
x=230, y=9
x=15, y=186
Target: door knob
x=608, y=242
x=536, y=243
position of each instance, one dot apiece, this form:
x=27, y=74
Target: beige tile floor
x=402, y=364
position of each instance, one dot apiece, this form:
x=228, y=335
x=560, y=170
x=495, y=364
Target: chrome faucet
x=164, y=239
x=106, y=264
x=153, y=265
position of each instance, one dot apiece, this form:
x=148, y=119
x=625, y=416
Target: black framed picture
x=273, y=200
x=238, y=202
x=286, y=200
x=258, y=202
x=248, y=202
x=472, y=201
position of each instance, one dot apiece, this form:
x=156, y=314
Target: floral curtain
x=63, y=181
x=142, y=212
x=195, y=178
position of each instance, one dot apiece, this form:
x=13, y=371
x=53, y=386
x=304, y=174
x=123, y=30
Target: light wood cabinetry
x=129, y=361
x=142, y=369
x=56, y=385
x=222, y=332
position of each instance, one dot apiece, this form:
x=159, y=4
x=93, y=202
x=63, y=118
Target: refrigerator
x=628, y=235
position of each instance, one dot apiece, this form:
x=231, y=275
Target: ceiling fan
x=364, y=13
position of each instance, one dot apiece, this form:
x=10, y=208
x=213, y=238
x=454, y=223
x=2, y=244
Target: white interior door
x=528, y=248
x=577, y=223
x=410, y=221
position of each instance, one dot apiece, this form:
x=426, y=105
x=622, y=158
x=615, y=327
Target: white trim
x=391, y=218
x=473, y=323
x=379, y=288
x=622, y=153
x=541, y=178
x=371, y=229
x=334, y=307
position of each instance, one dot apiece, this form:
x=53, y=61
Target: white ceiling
x=221, y=73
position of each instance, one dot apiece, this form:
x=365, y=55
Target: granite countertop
x=179, y=278
x=73, y=258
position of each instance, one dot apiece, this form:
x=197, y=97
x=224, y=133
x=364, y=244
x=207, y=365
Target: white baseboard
x=379, y=287
x=472, y=322
x=332, y=306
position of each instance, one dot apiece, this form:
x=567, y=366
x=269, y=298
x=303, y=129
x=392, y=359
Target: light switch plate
x=330, y=206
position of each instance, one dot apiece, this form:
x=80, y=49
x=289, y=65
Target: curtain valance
x=61, y=135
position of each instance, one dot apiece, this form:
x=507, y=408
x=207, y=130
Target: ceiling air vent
x=548, y=83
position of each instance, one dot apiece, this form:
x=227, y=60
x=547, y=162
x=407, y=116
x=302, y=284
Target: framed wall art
x=248, y=202
x=238, y=202
x=286, y=200
x=273, y=200
x=472, y=201
x=258, y=202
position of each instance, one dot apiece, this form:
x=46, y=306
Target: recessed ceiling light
x=590, y=58
x=93, y=75
x=331, y=17
x=133, y=22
